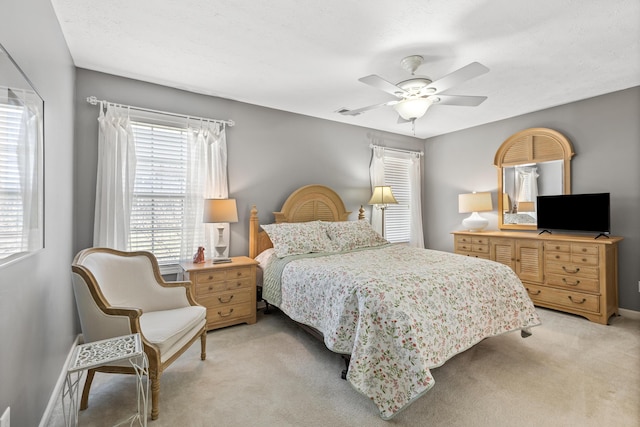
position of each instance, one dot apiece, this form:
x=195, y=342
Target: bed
x=393, y=311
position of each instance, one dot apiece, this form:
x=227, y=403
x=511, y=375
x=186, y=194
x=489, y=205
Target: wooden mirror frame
x=534, y=145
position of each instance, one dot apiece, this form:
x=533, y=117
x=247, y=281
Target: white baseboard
x=631, y=314
x=57, y=390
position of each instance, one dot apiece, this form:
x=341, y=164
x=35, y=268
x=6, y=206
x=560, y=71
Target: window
x=397, y=218
x=158, y=204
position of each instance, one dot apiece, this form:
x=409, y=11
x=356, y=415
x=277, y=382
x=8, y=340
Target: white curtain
x=206, y=179
x=376, y=172
x=417, y=237
x=29, y=158
x=115, y=178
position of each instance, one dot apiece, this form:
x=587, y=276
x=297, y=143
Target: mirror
x=531, y=163
x=21, y=164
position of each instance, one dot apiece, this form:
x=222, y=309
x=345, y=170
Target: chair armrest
x=189, y=288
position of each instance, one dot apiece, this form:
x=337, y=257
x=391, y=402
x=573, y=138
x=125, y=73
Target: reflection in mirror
x=523, y=183
x=21, y=163
x=533, y=162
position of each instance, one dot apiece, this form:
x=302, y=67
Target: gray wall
x=37, y=312
x=270, y=152
x=605, y=133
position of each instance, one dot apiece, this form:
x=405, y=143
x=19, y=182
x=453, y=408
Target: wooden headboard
x=308, y=203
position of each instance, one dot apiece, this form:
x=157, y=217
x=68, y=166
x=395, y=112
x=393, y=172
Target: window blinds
x=158, y=204
x=398, y=217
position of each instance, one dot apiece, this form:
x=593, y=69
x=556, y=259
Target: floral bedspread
x=400, y=311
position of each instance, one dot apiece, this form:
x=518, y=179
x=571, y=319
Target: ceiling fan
x=418, y=93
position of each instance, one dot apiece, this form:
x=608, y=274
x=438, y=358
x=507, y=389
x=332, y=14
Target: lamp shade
x=413, y=108
x=220, y=210
x=382, y=195
x=474, y=202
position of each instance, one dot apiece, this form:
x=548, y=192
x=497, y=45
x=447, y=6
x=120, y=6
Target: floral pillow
x=348, y=235
x=298, y=238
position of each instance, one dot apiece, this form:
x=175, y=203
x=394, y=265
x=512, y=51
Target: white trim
x=57, y=390
x=631, y=314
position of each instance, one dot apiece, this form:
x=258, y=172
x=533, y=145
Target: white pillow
x=298, y=238
x=348, y=235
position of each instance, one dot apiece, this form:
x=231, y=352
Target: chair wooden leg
x=155, y=392
x=84, y=402
x=203, y=345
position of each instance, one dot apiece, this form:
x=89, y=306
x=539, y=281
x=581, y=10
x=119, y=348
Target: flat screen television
x=574, y=212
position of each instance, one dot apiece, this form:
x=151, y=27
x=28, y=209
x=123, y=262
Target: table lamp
x=474, y=203
x=381, y=198
x=220, y=211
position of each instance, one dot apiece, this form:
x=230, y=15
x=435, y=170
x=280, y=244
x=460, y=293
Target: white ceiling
x=306, y=56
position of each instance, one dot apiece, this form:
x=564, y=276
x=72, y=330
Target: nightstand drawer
x=220, y=275
x=226, y=298
x=205, y=289
x=228, y=313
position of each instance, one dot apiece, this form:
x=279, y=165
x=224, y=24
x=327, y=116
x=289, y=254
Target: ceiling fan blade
x=465, y=101
x=467, y=72
x=357, y=111
x=384, y=85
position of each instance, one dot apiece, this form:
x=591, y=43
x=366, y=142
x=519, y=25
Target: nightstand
x=227, y=290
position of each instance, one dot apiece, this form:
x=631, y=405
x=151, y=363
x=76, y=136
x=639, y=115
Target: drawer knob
x=557, y=256
x=226, y=314
x=210, y=278
x=537, y=293
x=227, y=301
x=210, y=288
x=239, y=273
x=584, y=249
x=577, y=302
x=238, y=284
x=570, y=284
x=571, y=272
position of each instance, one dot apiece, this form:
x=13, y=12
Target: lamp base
x=475, y=222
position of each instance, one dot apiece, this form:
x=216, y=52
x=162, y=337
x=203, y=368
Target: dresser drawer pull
x=571, y=272
x=537, y=293
x=210, y=278
x=238, y=284
x=557, y=256
x=570, y=284
x=227, y=301
x=210, y=288
x=578, y=302
x=239, y=273
x=225, y=315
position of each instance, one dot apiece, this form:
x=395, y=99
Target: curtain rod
x=419, y=153
x=94, y=101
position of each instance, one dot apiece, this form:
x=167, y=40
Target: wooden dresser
x=571, y=273
x=227, y=290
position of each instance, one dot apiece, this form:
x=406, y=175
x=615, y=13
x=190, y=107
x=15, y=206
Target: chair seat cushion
x=167, y=327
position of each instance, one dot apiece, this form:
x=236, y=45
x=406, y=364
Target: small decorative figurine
x=198, y=258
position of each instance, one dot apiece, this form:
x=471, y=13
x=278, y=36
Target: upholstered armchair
x=120, y=293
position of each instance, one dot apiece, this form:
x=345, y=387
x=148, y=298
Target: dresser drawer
x=588, y=284
x=557, y=246
x=580, y=259
x=205, y=289
x=584, y=249
x=571, y=270
x=559, y=297
x=563, y=257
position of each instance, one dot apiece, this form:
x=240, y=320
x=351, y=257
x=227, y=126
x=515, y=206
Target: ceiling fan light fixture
x=413, y=108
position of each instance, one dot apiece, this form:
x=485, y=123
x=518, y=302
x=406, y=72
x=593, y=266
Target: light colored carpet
x=570, y=372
